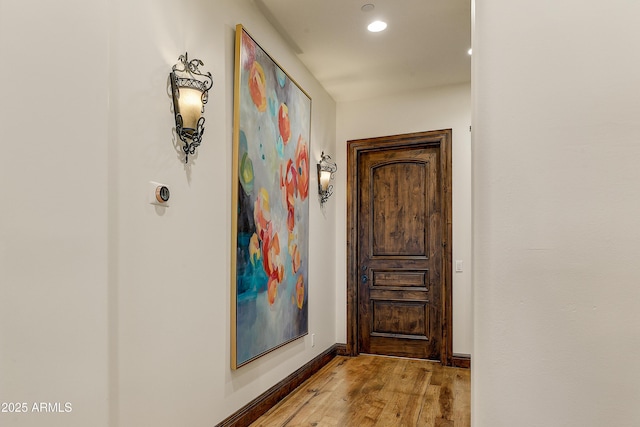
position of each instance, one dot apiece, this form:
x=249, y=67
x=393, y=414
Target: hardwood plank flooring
x=377, y=391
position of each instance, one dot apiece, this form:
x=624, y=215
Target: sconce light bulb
x=190, y=102
x=325, y=177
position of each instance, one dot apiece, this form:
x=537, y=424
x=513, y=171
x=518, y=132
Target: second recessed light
x=377, y=26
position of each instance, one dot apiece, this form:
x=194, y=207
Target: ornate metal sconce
x=326, y=169
x=190, y=93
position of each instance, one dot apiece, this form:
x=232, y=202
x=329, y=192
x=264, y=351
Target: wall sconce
x=326, y=169
x=190, y=93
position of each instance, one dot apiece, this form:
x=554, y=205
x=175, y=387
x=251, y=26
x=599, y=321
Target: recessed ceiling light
x=377, y=26
x=367, y=7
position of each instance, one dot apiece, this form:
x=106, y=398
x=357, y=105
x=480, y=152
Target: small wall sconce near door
x=190, y=89
x=326, y=169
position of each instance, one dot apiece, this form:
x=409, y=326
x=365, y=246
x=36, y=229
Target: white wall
x=556, y=207
x=53, y=213
x=174, y=264
x=113, y=305
x=440, y=108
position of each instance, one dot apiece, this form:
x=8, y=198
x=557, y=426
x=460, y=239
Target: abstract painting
x=270, y=230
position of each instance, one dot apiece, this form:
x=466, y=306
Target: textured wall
x=53, y=214
x=441, y=108
x=108, y=302
x=555, y=159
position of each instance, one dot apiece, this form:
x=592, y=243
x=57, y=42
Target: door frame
x=441, y=138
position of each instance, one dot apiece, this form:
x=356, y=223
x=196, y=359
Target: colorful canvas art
x=272, y=123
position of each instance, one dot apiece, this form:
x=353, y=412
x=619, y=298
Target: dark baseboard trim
x=261, y=404
x=341, y=349
x=461, y=360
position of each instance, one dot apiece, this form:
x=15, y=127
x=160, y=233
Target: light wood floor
x=377, y=391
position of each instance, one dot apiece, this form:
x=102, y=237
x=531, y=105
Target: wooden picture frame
x=270, y=216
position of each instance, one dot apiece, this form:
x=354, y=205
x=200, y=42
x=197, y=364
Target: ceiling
x=425, y=44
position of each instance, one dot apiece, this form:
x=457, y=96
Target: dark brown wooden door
x=400, y=252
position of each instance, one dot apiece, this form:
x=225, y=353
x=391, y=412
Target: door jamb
x=354, y=148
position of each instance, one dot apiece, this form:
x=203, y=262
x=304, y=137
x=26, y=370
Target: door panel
x=395, y=318
x=398, y=278
x=400, y=252
x=396, y=208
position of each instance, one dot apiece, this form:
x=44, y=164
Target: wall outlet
x=313, y=340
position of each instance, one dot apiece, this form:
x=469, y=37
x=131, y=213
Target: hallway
x=377, y=391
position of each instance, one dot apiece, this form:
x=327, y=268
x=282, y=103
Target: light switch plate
x=459, y=266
